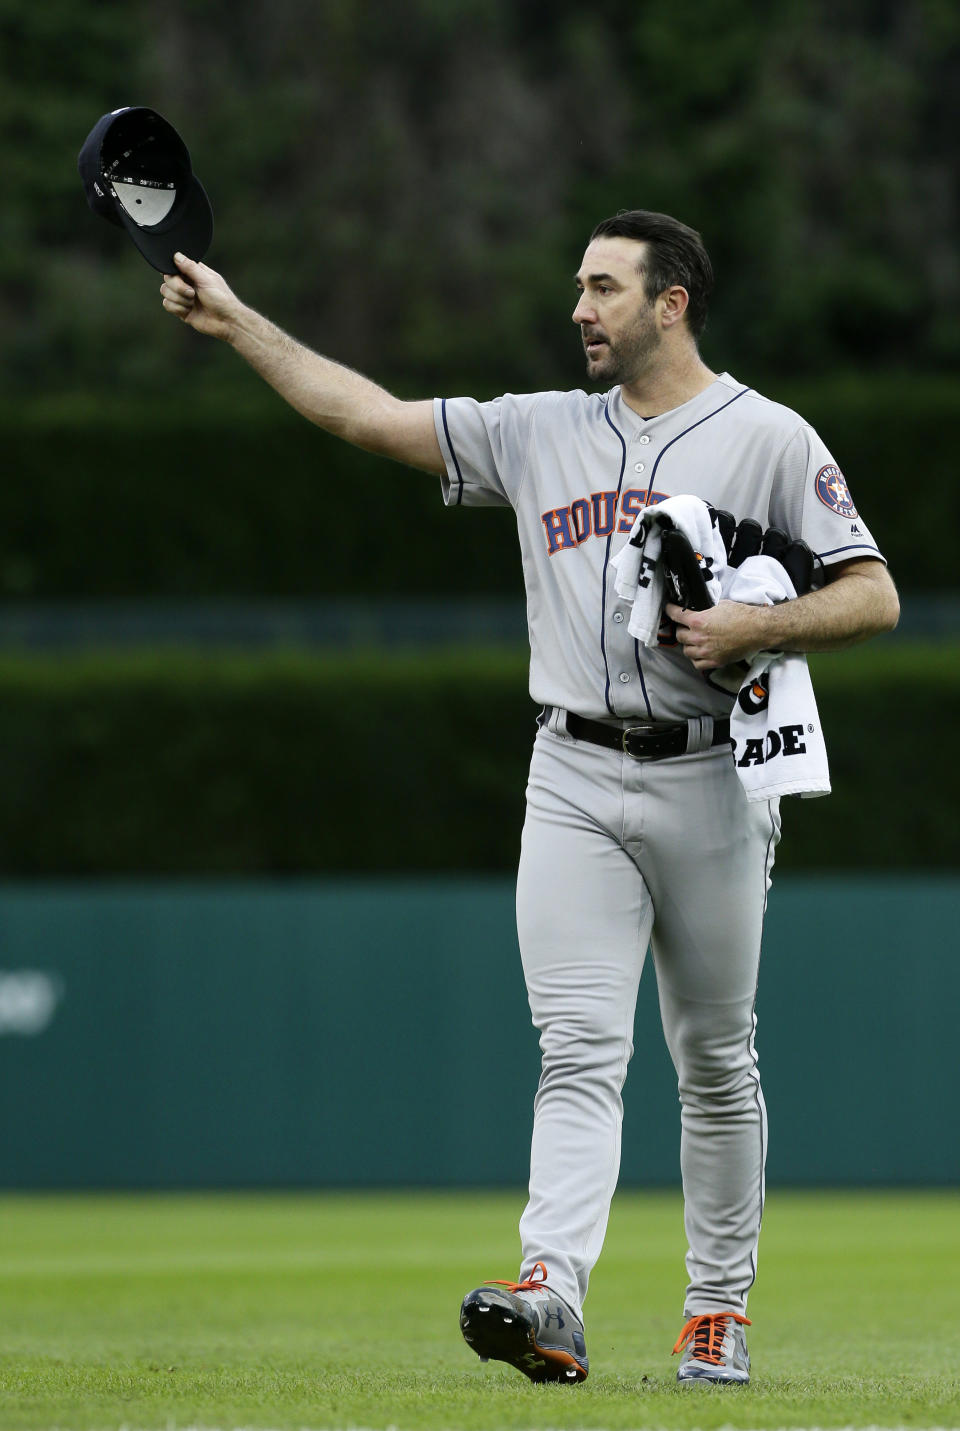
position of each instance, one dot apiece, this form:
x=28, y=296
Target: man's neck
x=657, y=392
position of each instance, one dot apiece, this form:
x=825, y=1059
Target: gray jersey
x=578, y=468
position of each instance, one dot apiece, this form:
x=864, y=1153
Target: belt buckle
x=658, y=743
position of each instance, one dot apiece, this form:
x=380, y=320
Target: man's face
x=620, y=329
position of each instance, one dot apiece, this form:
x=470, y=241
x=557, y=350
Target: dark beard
x=630, y=358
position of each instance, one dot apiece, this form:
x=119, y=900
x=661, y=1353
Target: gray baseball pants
x=618, y=854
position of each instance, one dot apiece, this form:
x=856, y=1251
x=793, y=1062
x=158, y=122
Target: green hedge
x=304, y=764
x=237, y=496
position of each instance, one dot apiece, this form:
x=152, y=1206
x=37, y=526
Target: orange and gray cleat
x=714, y=1348
x=528, y=1326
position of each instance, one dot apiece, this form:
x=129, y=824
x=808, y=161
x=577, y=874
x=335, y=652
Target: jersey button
x=638, y=467
x=618, y=617
x=624, y=677
x=644, y=439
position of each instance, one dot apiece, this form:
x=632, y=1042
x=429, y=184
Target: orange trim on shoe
x=707, y=1333
x=560, y=1358
x=533, y=1283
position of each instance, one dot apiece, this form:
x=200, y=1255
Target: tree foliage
x=409, y=188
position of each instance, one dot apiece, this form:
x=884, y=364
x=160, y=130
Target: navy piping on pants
x=752, y=1048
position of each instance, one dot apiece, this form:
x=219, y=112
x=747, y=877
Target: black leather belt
x=647, y=740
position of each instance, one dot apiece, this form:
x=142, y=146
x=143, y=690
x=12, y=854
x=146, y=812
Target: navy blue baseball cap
x=136, y=174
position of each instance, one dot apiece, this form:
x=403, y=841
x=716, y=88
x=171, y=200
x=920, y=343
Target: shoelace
x=533, y=1283
x=707, y=1333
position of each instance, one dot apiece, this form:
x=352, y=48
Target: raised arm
x=336, y=398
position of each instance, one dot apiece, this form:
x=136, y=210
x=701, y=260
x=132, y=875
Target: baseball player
x=638, y=832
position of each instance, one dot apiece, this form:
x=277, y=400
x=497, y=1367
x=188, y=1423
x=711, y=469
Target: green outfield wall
x=377, y=1033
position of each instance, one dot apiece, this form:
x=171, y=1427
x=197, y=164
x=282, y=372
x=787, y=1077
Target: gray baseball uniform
x=619, y=853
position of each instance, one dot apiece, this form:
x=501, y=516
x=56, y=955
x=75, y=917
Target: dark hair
x=675, y=254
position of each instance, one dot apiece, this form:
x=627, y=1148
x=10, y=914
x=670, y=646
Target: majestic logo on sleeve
x=566, y=528
x=834, y=492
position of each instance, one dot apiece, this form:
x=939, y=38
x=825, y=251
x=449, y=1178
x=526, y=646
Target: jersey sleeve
x=812, y=500
x=485, y=447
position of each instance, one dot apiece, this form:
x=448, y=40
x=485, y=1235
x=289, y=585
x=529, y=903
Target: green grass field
x=341, y=1311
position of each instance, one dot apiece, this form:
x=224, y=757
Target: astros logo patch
x=834, y=492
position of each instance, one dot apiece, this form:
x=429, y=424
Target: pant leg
x=583, y=918
x=708, y=858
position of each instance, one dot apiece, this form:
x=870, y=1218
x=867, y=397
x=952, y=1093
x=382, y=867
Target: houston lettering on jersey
x=594, y=516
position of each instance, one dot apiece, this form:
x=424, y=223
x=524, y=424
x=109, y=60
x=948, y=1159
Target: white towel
x=639, y=570
x=778, y=744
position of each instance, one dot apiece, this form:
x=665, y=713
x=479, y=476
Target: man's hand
x=723, y=633
x=200, y=298
x=859, y=600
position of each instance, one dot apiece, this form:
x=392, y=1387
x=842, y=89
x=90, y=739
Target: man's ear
x=673, y=304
